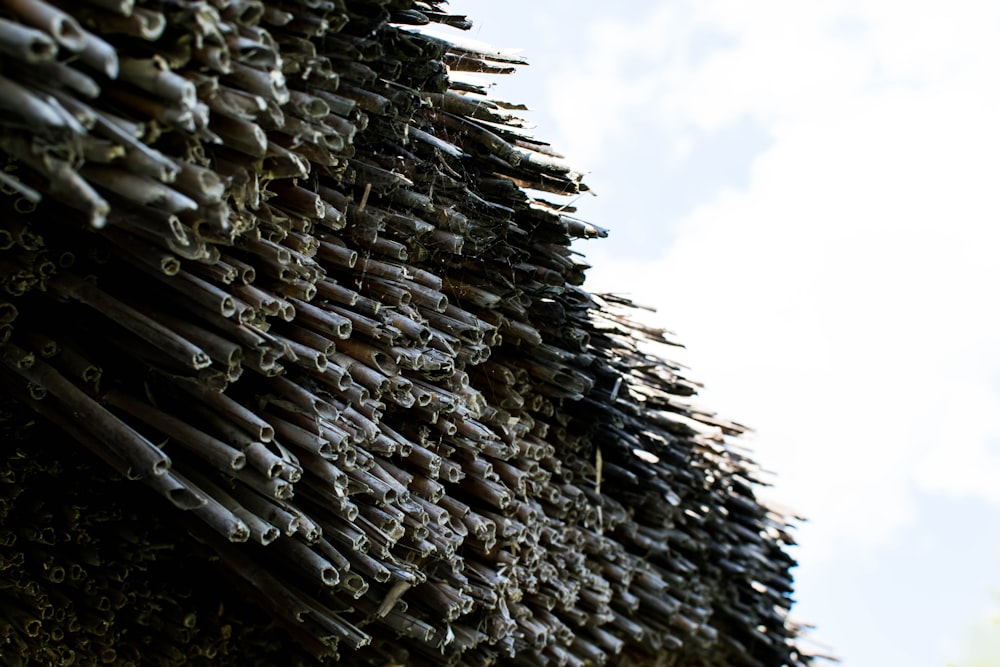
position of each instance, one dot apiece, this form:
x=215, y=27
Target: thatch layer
x=271, y=263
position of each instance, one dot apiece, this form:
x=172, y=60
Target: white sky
x=808, y=193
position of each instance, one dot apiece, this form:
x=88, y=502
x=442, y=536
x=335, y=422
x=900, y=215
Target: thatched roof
x=298, y=363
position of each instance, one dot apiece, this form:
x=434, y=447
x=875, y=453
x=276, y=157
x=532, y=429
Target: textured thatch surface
x=294, y=366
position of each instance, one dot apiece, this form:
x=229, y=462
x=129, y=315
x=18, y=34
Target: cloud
x=835, y=282
x=981, y=643
x=840, y=302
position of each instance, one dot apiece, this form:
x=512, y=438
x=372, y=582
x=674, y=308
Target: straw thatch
x=298, y=364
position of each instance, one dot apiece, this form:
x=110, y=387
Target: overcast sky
x=809, y=193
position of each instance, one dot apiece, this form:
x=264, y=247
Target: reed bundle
x=290, y=281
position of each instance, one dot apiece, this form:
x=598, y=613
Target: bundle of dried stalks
x=280, y=265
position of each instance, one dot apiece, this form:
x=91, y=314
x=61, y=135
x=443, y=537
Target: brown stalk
x=222, y=520
x=309, y=358
x=62, y=27
x=249, y=421
x=260, y=458
x=316, y=341
x=140, y=190
x=119, y=7
x=160, y=337
x=268, y=84
x=69, y=359
x=215, y=452
x=141, y=254
x=143, y=23
x=310, y=562
x=270, y=510
x=31, y=108
x=181, y=493
x=272, y=487
x=305, y=399
x=200, y=183
x=143, y=458
x=246, y=272
x=375, y=381
x=260, y=530
x=153, y=76
x=26, y=44
x=241, y=135
x=293, y=434
x=324, y=322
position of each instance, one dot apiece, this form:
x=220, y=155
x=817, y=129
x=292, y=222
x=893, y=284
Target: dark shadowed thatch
x=294, y=366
